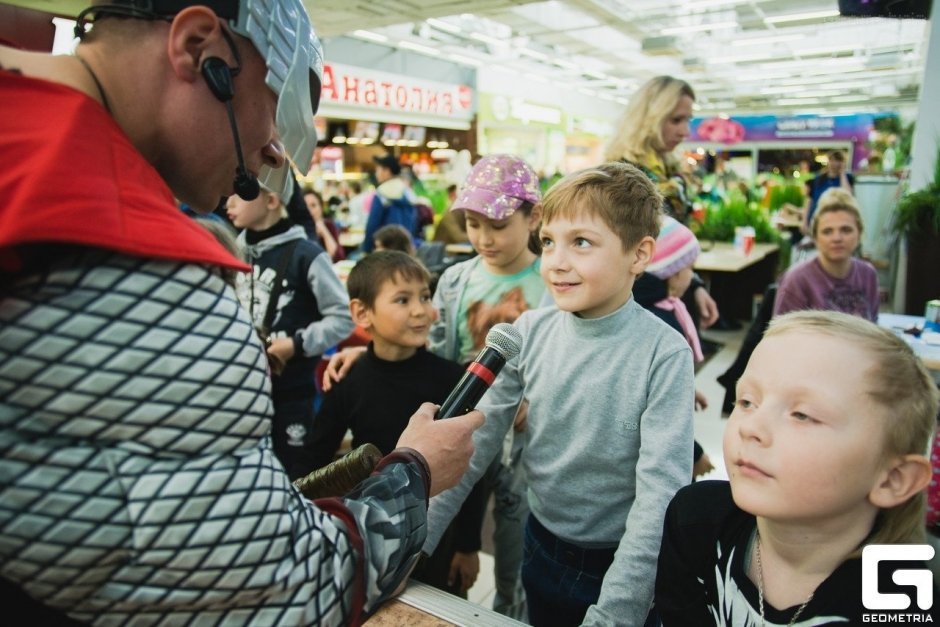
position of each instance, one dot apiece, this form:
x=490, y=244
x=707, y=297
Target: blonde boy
x=299, y=306
x=825, y=454
x=610, y=390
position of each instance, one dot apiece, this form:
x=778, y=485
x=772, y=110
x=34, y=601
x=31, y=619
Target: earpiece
x=218, y=77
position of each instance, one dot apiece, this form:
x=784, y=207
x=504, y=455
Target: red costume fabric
x=72, y=176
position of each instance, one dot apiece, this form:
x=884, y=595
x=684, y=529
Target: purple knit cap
x=497, y=186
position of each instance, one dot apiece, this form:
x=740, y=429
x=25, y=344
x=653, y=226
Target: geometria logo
x=914, y=585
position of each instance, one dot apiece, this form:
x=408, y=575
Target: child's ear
x=535, y=217
x=360, y=313
x=906, y=476
x=642, y=255
x=273, y=201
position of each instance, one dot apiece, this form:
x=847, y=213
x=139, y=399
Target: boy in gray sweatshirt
x=610, y=390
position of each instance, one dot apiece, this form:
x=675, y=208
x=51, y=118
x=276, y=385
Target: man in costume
x=137, y=481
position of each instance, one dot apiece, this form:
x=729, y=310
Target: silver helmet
x=282, y=33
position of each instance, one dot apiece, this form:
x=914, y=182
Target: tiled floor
x=709, y=429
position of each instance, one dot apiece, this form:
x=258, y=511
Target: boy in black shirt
x=390, y=298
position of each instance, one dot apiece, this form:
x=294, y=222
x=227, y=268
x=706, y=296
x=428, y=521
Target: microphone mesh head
x=506, y=339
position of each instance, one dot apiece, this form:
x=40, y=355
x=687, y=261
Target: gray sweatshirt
x=609, y=440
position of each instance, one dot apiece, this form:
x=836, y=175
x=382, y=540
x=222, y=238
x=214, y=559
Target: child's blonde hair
x=624, y=198
x=640, y=129
x=837, y=199
x=899, y=383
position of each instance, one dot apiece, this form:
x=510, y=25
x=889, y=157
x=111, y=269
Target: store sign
x=730, y=130
x=380, y=91
x=504, y=109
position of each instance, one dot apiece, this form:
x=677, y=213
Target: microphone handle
x=473, y=384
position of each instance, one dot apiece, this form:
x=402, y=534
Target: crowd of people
x=159, y=389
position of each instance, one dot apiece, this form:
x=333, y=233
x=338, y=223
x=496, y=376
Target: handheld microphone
x=503, y=342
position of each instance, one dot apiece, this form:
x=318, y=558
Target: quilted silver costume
x=137, y=485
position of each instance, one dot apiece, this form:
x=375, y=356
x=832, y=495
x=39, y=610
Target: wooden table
x=734, y=278
x=420, y=605
x=927, y=346
x=462, y=248
x=722, y=257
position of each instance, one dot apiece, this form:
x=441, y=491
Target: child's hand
x=701, y=402
x=707, y=307
x=464, y=567
x=339, y=365
x=522, y=415
x=280, y=350
x=702, y=467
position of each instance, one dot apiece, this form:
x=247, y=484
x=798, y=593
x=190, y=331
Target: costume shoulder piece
x=70, y=175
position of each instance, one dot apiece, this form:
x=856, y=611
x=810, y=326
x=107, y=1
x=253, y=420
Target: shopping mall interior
x=780, y=86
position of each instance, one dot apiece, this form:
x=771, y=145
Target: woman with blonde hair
x=835, y=278
x=655, y=122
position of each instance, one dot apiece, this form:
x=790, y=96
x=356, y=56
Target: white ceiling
x=737, y=54
x=741, y=56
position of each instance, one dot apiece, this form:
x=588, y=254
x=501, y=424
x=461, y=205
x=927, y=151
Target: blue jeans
x=561, y=580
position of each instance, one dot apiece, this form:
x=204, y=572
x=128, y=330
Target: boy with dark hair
x=605, y=449
x=390, y=298
x=299, y=307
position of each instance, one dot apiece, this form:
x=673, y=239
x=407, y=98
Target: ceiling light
x=797, y=101
x=534, y=54
x=370, y=36
x=783, y=89
x=799, y=17
x=709, y=4
x=848, y=98
x=459, y=58
x=830, y=49
x=407, y=45
x=773, y=39
x=568, y=65
x=743, y=59
x=442, y=25
x=697, y=28
x=487, y=39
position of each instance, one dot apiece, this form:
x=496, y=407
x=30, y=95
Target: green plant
x=721, y=218
x=919, y=212
x=783, y=194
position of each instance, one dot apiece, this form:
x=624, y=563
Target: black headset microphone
x=218, y=76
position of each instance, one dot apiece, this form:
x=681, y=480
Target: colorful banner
x=758, y=128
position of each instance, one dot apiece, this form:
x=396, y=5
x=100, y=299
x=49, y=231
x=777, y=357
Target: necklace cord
x=94, y=77
x=760, y=589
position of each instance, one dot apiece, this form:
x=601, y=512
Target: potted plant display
x=917, y=218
